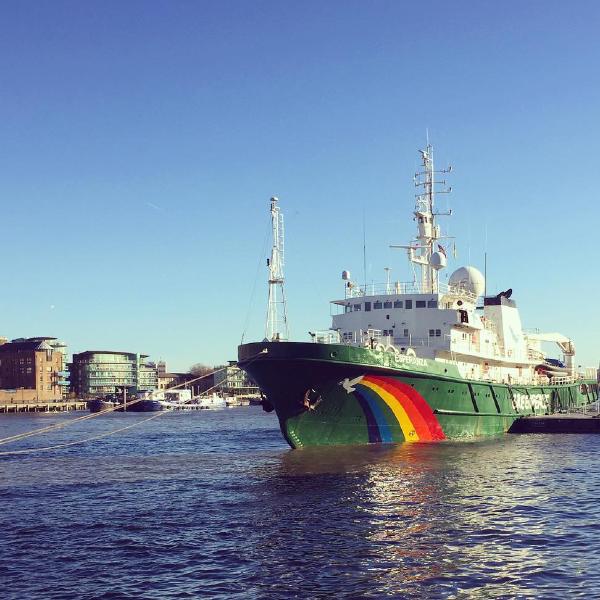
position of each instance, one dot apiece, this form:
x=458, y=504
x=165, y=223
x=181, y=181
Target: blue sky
x=140, y=143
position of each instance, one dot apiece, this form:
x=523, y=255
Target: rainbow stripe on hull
x=408, y=411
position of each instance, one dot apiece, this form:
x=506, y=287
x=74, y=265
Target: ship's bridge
x=403, y=314
x=402, y=288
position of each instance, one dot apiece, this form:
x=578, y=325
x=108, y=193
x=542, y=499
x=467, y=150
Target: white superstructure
x=453, y=322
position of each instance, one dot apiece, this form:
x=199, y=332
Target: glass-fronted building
x=99, y=372
x=147, y=376
x=232, y=381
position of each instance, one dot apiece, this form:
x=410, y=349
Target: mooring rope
x=20, y=436
x=26, y=434
x=83, y=441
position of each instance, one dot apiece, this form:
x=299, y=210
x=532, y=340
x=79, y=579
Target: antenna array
x=277, y=324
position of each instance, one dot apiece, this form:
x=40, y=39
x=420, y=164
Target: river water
x=213, y=504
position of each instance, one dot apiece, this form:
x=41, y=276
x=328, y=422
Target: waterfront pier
x=558, y=423
x=33, y=406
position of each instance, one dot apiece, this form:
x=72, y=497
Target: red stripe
x=420, y=405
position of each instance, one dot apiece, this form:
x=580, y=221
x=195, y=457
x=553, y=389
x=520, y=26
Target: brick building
x=30, y=369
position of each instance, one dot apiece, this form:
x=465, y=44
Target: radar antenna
x=277, y=324
x=422, y=250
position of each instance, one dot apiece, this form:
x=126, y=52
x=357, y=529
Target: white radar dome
x=346, y=275
x=469, y=279
x=438, y=261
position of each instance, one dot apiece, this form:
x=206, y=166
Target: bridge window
x=357, y=307
x=432, y=304
x=431, y=332
x=438, y=333
x=406, y=333
x=387, y=304
x=408, y=304
x=421, y=304
x=398, y=303
x=367, y=306
x=377, y=305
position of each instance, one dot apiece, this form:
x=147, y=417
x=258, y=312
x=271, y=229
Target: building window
x=408, y=304
x=421, y=304
x=432, y=304
x=378, y=305
x=387, y=304
x=397, y=303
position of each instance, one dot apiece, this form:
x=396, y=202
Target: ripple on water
x=214, y=505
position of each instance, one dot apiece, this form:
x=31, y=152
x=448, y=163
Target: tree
x=199, y=369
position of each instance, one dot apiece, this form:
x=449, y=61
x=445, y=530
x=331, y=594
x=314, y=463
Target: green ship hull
x=334, y=394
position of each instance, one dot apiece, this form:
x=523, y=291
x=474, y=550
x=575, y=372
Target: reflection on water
x=215, y=505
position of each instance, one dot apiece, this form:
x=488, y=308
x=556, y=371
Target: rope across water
x=21, y=436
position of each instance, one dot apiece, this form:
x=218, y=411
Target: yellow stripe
x=408, y=429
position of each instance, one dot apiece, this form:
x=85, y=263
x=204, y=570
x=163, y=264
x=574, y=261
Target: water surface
x=213, y=504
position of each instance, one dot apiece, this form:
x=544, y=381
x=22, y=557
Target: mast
x=277, y=324
x=425, y=250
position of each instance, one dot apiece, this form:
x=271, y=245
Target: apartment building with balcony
x=100, y=372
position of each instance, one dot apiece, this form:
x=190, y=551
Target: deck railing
x=398, y=288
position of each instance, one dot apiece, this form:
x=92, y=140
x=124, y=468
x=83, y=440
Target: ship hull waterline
x=333, y=394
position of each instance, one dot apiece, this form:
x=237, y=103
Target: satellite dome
x=469, y=279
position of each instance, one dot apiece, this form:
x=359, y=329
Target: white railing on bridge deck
x=399, y=288
x=372, y=338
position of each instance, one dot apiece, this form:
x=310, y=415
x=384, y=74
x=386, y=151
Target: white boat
x=164, y=400
x=212, y=401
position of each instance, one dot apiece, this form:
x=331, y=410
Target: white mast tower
x=422, y=250
x=277, y=324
